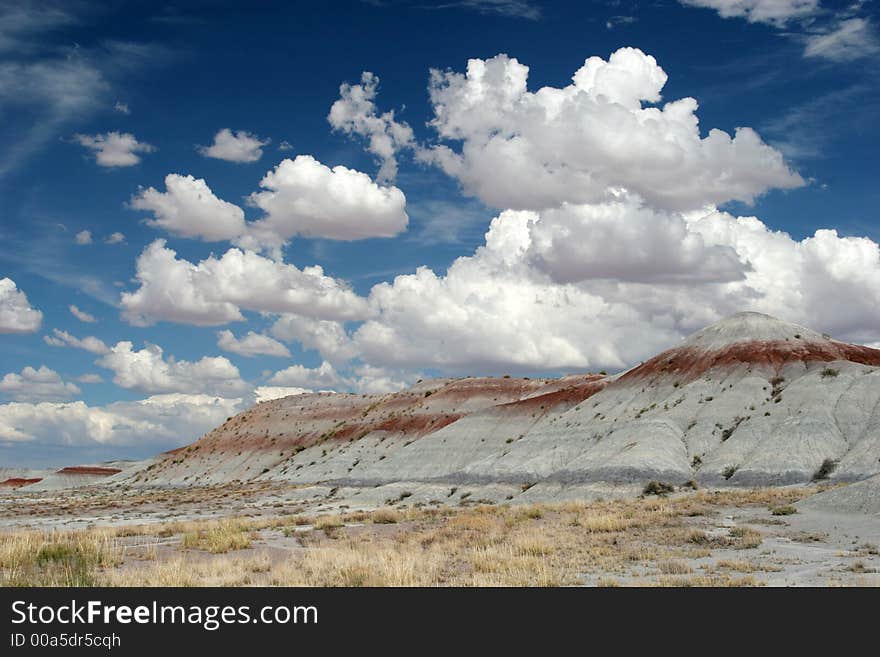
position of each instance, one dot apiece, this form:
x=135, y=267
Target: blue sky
x=616, y=231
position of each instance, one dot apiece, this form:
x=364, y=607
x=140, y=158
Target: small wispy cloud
x=802, y=132
x=842, y=34
x=615, y=21
x=848, y=40
x=512, y=8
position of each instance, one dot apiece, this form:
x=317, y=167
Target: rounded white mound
x=750, y=327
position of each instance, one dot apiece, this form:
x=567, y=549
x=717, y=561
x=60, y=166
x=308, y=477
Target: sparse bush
x=786, y=510
x=657, y=488
x=828, y=466
x=729, y=471
x=829, y=372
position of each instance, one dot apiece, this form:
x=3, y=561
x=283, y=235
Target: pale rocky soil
x=693, y=538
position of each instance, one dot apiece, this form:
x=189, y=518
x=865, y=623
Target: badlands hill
x=750, y=400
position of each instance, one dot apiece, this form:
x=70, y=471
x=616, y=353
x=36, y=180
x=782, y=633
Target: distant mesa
x=18, y=482
x=89, y=470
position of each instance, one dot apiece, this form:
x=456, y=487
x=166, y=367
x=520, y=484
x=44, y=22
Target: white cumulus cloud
x=625, y=241
x=167, y=418
x=522, y=149
x=90, y=343
x=355, y=113
x=304, y=197
x=188, y=208
x=327, y=337
x=41, y=384
x=147, y=370
x=115, y=149
x=364, y=378
x=267, y=393
x=216, y=290
x=16, y=313
x=252, y=344
x=300, y=197
x=504, y=308
x=239, y=146
x=324, y=376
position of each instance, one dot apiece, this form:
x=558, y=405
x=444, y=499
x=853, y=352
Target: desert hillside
x=750, y=400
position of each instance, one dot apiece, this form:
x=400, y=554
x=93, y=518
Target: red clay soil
x=570, y=396
x=417, y=426
x=18, y=482
x=88, y=470
x=319, y=417
x=686, y=364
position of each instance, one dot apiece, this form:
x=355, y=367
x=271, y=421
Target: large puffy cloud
x=534, y=150
x=493, y=311
x=626, y=241
x=16, y=313
x=149, y=371
x=504, y=307
x=115, y=149
x=41, y=384
x=775, y=12
x=304, y=197
x=89, y=343
x=252, y=344
x=215, y=290
x=300, y=197
x=189, y=208
x=355, y=113
x=825, y=281
x=168, y=418
x=240, y=146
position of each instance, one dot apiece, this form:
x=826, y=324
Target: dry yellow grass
x=674, y=567
x=743, y=566
x=225, y=536
x=56, y=558
x=478, y=545
x=329, y=522
x=385, y=516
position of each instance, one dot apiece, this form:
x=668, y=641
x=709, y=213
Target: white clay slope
x=749, y=400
